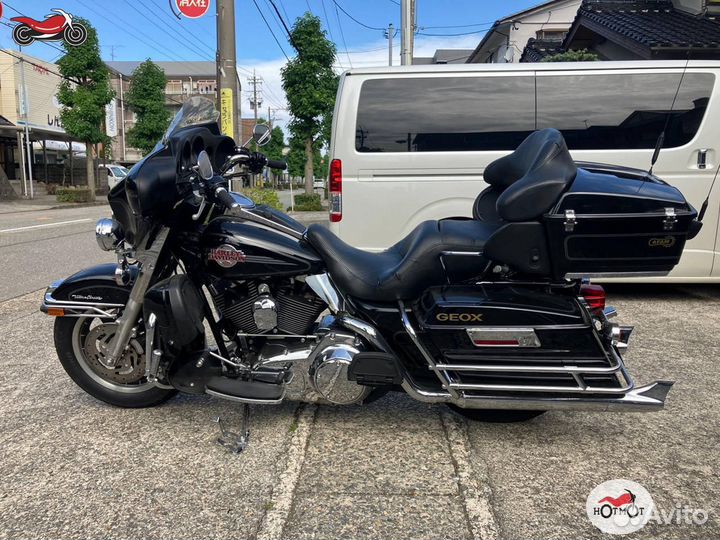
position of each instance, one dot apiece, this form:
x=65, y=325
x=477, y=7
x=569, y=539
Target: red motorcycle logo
x=626, y=499
x=53, y=28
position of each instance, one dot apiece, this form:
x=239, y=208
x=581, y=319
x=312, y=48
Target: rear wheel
x=82, y=344
x=496, y=416
x=23, y=34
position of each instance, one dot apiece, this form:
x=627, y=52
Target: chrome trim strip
x=527, y=369
x=580, y=388
x=250, y=216
x=580, y=275
x=524, y=337
x=245, y=400
x=463, y=253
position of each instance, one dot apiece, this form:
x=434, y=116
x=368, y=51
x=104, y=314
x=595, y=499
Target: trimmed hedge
x=308, y=203
x=267, y=197
x=72, y=195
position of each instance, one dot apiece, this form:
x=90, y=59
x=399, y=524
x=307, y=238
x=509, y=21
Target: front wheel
x=75, y=34
x=496, y=416
x=81, y=344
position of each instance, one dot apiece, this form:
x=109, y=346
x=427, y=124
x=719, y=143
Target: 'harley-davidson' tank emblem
x=226, y=256
x=666, y=242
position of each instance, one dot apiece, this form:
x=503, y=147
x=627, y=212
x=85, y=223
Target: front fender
x=92, y=288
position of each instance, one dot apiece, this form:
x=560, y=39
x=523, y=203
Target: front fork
x=148, y=261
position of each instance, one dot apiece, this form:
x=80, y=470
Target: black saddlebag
x=616, y=221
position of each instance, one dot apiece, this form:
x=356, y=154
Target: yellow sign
x=227, y=122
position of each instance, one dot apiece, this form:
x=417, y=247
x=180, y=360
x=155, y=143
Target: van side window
x=616, y=112
x=448, y=114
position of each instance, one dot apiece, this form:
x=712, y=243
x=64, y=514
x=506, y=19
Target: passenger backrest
x=546, y=169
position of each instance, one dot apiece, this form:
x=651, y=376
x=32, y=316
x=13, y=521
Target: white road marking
x=283, y=493
x=44, y=225
x=472, y=479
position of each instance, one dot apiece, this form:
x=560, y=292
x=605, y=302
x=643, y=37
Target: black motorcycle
x=492, y=315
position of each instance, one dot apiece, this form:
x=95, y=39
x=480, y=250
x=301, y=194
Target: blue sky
x=139, y=29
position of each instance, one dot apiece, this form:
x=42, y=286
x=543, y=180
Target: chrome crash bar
x=67, y=308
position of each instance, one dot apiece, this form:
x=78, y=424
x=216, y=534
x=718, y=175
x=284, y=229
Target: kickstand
x=236, y=442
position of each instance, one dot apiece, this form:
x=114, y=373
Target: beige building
x=28, y=96
x=184, y=80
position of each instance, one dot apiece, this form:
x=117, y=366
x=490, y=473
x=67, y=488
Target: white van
x=115, y=173
x=411, y=143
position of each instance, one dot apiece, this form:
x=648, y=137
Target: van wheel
x=496, y=416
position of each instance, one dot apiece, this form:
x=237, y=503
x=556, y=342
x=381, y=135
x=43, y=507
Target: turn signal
x=594, y=295
x=335, y=190
x=56, y=312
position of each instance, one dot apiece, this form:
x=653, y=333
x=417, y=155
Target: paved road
x=72, y=467
x=38, y=247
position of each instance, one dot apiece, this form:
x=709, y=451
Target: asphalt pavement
x=72, y=467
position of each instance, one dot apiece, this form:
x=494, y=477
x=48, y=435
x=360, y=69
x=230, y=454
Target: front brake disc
x=131, y=366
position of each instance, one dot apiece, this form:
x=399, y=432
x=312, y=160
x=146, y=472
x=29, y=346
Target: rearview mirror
x=261, y=134
x=205, y=167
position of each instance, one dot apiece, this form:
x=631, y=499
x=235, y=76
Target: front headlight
x=108, y=234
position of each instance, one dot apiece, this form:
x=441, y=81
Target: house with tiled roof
x=612, y=29
x=647, y=29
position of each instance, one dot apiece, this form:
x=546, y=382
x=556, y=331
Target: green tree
x=297, y=158
x=83, y=95
x=147, y=98
x=310, y=85
x=581, y=55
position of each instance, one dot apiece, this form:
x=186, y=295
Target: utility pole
x=30, y=193
x=407, y=31
x=228, y=85
x=390, y=35
x=255, y=104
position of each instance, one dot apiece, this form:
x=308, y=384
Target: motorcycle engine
x=282, y=306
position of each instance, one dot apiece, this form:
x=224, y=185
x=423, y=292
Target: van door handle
x=702, y=158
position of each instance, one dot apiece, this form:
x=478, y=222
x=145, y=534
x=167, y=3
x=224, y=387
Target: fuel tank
x=234, y=249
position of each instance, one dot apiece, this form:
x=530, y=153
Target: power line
x=327, y=22
x=342, y=34
x=184, y=34
x=287, y=30
x=459, y=25
x=354, y=19
x=458, y=34
x=271, y=30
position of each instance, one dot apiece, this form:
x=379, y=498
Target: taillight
x=594, y=295
x=335, y=191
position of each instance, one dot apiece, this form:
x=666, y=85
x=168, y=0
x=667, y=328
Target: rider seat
x=406, y=269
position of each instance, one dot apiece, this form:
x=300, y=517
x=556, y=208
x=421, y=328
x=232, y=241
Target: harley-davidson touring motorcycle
x=493, y=315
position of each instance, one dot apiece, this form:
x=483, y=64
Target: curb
x=40, y=207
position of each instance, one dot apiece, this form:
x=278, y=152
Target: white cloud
x=370, y=54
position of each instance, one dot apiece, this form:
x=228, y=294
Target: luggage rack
x=616, y=367
x=448, y=373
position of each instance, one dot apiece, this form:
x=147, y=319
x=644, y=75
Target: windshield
x=120, y=172
x=195, y=111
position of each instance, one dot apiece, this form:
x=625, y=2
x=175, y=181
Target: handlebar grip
x=223, y=196
x=276, y=164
